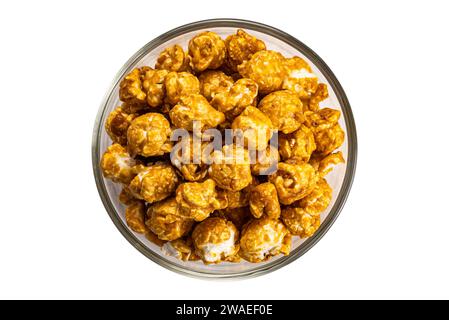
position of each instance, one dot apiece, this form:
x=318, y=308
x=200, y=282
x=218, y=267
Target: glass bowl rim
x=350, y=132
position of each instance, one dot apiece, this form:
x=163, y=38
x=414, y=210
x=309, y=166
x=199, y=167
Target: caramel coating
x=189, y=159
x=318, y=200
x=284, y=109
x=197, y=200
x=299, y=144
x=215, y=240
x=153, y=83
x=135, y=216
x=263, y=199
x=192, y=108
x=293, y=181
x=213, y=82
x=240, y=47
x=117, y=125
x=239, y=216
x=181, y=249
x=264, y=238
x=242, y=94
x=149, y=135
x=325, y=164
x=265, y=161
x=126, y=197
x=131, y=91
x=266, y=68
x=207, y=51
x=117, y=164
x=231, y=168
x=256, y=128
x=320, y=94
x=166, y=222
x=328, y=134
x=155, y=182
x=300, y=78
x=299, y=222
x=178, y=84
x=173, y=59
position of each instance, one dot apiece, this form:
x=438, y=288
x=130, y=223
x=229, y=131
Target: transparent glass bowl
x=340, y=179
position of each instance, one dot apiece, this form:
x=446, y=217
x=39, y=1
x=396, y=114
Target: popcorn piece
x=213, y=82
x=135, y=216
x=266, y=161
x=300, y=78
x=284, y=109
x=299, y=222
x=239, y=216
x=240, y=47
x=293, y=181
x=317, y=201
x=149, y=135
x=299, y=144
x=117, y=164
x=242, y=94
x=188, y=158
x=256, y=128
x=126, y=197
x=117, y=125
x=195, y=107
x=154, y=183
x=263, y=199
x=320, y=94
x=325, y=164
x=207, y=51
x=197, y=200
x=154, y=86
x=266, y=68
x=131, y=90
x=178, y=84
x=181, y=249
x=231, y=168
x=173, y=59
x=263, y=238
x=215, y=240
x=166, y=222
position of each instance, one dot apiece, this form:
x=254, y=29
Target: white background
x=58, y=59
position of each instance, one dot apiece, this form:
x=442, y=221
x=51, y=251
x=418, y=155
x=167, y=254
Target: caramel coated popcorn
x=284, y=109
x=207, y=50
x=215, y=240
x=263, y=238
x=166, y=222
x=203, y=196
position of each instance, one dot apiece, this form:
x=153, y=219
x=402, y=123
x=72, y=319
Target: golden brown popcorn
x=131, y=90
x=299, y=222
x=256, y=128
x=238, y=216
x=238, y=199
x=242, y=94
x=215, y=240
x=155, y=182
x=188, y=158
x=320, y=94
x=267, y=69
x=178, y=84
x=293, y=181
x=300, y=78
x=317, y=201
x=166, y=222
x=135, y=216
x=213, y=82
x=126, y=197
x=152, y=237
x=181, y=249
x=173, y=59
x=197, y=200
x=263, y=238
x=241, y=46
x=117, y=125
x=263, y=199
x=299, y=144
x=230, y=168
x=265, y=161
x=149, y=135
x=192, y=108
x=324, y=165
x=117, y=164
x=207, y=51
x=153, y=83
x=284, y=109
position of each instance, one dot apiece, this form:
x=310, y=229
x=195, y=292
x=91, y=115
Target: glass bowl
x=340, y=179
